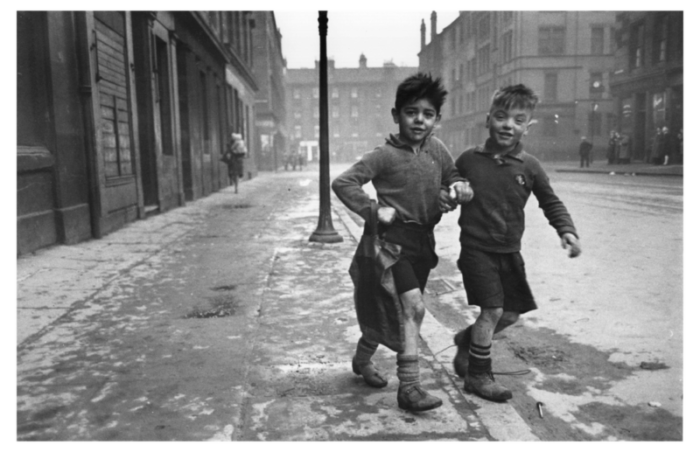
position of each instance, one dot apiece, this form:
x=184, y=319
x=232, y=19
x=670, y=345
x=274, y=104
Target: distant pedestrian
x=665, y=144
x=409, y=172
x=233, y=157
x=656, y=152
x=613, y=147
x=680, y=146
x=503, y=176
x=584, y=151
x=624, y=154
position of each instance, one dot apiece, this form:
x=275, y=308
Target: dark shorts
x=496, y=280
x=417, y=256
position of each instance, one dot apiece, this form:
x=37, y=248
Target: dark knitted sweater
x=494, y=221
x=407, y=181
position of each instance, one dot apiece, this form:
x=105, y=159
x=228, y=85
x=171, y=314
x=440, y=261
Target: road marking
x=501, y=420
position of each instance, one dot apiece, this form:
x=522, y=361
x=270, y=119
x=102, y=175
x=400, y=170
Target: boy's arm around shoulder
x=348, y=185
x=554, y=210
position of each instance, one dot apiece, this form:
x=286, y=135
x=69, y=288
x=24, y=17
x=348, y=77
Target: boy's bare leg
x=479, y=378
x=411, y=396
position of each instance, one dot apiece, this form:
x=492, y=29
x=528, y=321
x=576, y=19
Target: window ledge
x=33, y=158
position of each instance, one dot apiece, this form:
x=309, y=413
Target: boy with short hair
x=502, y=176
x=408, y=172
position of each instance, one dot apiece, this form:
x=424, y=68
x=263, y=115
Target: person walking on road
x=584, y=151
x=408, y=172
x=502, y=176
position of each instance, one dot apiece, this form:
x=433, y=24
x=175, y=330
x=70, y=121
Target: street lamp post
x=324, y=232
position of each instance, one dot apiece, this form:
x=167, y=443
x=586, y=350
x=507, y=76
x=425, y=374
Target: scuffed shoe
x=485, y=386
x=414, y=398
x=371, y=376
x=461, y=361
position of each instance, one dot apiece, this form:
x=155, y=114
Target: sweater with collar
x=494, y=220
x=406, y=180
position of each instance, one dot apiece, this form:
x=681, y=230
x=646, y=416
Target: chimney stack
x=422, y=34
x=363, y=61
x=433, y=25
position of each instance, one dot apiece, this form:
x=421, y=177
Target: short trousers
x=417, y=256
x=496, y=280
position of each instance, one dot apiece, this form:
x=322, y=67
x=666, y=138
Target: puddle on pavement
x=224, y=288
x=219, y=306
x=242, y=205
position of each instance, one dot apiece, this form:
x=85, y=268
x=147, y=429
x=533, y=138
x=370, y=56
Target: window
x=297, y=93
x=354, y=112
x=297, y=114
x=595, y=122
x=597, y=40
x=315, y=93
x=316, y=115
x=484, y=59
x=596, y=86
x=163, y=77
x=660, y=39
x=550, y=86
x=32, y=106
x=659, y=108
x=205, y=108
x=317, y=131
x=636, y=46
x=334, y=93
x=353, y=93
x=461, y=71
x=483, y=25
x=507, y=45
x=297, y=131
x=335, y=111
x=551, y=40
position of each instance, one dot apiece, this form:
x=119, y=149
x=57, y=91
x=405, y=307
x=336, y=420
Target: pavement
x=220, y=321
x=630, y=169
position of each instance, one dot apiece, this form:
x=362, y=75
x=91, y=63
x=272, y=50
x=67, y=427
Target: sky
x=351, y=33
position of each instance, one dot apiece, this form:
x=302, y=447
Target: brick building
x=359, y=107
x=566, y=57
x=120, y=114
x=647, y=82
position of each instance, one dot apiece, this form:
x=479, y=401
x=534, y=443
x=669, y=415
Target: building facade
x=647, y=82
x=566, y=57
x=121, y=114
x=270, y=100
x=359, y=108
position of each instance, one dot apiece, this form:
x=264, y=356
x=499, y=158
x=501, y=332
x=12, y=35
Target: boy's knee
x=509, y=317
x=491, y=315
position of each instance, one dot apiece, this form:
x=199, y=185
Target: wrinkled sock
x=365, y=351
x=479, y=358
x=408, y=371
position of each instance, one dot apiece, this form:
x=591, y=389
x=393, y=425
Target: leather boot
x=371, y=375
x=485, y=386
x=415, y=398
x=461, y=361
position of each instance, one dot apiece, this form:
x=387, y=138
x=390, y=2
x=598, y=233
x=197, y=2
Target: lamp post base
x=320, y=236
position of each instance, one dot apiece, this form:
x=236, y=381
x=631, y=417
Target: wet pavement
x=220, y=321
